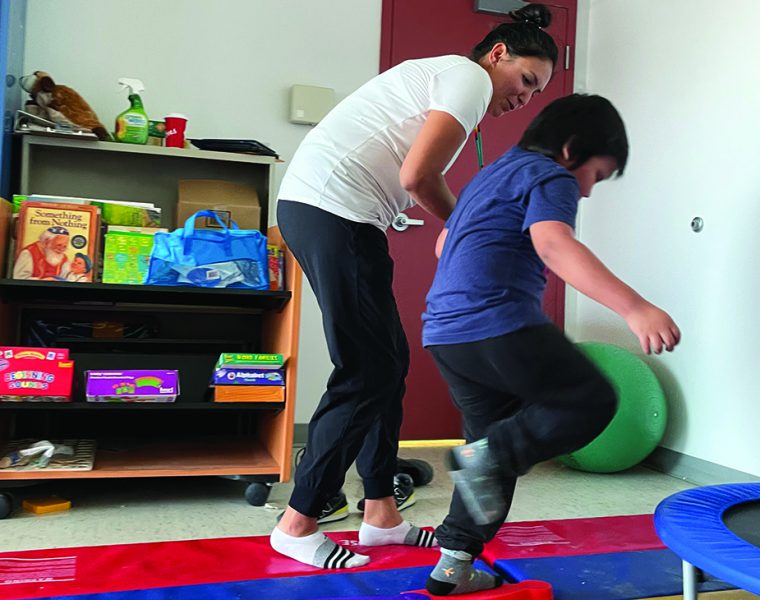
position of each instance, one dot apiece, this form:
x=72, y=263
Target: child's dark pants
x=534, y=395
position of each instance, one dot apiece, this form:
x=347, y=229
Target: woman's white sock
x=317, y=550
x=404, y=533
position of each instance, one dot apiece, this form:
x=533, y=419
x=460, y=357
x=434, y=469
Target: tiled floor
x=141, y=510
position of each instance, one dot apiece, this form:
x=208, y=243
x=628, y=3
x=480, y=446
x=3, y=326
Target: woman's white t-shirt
x=349, y=164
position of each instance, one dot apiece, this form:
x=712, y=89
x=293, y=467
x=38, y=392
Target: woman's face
x=515, y=79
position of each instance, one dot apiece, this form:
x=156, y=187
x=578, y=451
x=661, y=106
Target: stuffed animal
x=60, y=104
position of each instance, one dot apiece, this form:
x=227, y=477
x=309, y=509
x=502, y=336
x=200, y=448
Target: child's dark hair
x=525, y=37
x=590, y=125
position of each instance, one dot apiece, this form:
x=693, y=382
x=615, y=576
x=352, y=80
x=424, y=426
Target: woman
x=383, y=148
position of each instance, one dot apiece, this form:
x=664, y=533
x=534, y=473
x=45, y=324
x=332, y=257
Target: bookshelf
x=177, y=327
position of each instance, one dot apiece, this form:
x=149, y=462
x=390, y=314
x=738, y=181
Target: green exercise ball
x=638, y=424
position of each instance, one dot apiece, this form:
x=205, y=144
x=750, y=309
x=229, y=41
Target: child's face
x=594, y=170
x=78, y=266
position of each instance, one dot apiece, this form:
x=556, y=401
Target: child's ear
x=566, y=151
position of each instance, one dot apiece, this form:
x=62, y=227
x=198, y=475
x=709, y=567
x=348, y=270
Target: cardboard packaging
x=249, y=377
x=132, y=386
x=238, y=360
x=231, y=201
x=276, y=259
x=35, y=374
x=249, y=393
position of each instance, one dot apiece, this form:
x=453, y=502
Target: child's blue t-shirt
x=490, y=280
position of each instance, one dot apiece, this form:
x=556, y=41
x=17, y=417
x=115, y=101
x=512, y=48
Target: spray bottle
x=132, y=124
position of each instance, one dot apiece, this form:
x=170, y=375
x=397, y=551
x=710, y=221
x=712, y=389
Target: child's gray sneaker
x=478, y=481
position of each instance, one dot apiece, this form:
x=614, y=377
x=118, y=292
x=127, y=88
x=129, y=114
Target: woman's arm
x=575, y=264
x=432, y=150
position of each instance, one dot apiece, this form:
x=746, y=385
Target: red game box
x=35, y=374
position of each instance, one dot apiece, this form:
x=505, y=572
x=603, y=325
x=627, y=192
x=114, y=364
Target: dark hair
x=590, y=125
x=525, y=37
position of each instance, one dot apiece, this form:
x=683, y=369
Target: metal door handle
x=402, y=222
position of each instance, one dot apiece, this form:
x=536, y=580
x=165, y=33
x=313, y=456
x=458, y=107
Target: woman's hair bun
x=537, y=14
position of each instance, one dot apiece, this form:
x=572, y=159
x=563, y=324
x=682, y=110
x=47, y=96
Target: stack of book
x=60, y=238
x=249, y=378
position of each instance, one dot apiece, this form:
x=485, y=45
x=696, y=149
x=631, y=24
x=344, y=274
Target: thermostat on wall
x=309, y=104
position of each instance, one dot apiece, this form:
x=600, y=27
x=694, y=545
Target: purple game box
x=132, y=386
x=228, y=376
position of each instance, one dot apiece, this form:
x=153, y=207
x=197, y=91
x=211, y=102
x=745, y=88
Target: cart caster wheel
x=257, y=493
x=6, y=505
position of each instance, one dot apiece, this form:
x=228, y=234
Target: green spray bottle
x=132, y=124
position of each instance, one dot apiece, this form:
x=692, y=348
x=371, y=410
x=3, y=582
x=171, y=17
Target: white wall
x=227, y=65
x=683, y=75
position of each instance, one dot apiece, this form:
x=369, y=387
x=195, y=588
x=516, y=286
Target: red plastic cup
x=175, y=130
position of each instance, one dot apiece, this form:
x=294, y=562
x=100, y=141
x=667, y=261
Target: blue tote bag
x=228, y=257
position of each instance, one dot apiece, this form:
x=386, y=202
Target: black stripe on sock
x=328, y=560
x=418, y=540
x=340, y=562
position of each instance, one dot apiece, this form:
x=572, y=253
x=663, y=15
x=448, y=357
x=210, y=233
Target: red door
x=417, y=29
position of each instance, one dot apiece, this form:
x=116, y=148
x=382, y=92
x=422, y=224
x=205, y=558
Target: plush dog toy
x=60, y=104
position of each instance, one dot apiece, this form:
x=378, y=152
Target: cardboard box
x=249, y=393
x=249, y=377
x=35, y=374
x=231, y=201
x=276, y=259
x=238, y=360
x=25, y=352
x=132, y=386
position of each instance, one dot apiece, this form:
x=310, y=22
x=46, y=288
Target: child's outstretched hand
x=654, y=328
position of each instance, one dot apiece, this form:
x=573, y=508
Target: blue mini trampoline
x=715, y=529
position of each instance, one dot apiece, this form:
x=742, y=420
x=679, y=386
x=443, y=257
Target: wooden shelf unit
x=259, y=441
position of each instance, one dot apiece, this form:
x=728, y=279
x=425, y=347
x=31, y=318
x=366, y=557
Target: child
x=526, y=393
x=79, y=269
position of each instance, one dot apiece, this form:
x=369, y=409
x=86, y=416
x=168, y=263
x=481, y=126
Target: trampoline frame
x=690, y=523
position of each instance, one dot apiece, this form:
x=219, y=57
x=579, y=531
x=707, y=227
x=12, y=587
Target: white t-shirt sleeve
x=463, y=91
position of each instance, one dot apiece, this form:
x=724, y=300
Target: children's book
x=56, y=242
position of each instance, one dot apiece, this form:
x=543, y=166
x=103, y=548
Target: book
x=113, y=212
x=126, y=254
x=56, y=242
x=253, y=361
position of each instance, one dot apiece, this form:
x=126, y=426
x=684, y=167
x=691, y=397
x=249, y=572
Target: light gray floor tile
x=144, y=510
